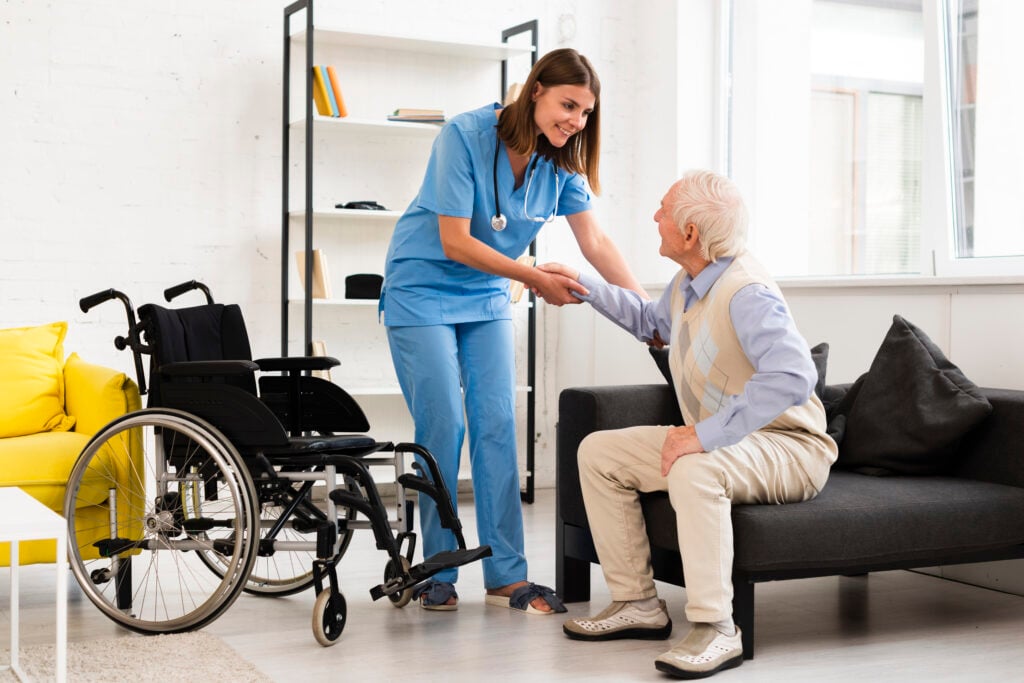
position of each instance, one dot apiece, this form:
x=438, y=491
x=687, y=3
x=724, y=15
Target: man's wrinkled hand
x=679, y=441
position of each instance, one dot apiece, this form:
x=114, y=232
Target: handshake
x=556, y=283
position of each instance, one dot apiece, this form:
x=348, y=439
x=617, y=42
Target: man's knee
x=590, y=451
x=695, y=474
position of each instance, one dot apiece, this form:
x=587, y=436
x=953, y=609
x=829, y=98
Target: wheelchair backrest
x=199, y=333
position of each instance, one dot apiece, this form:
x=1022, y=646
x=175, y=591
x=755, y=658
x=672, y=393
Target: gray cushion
x=870, y=520
x=908, y=412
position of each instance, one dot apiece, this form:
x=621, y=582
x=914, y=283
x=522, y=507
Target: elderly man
x=754, y=429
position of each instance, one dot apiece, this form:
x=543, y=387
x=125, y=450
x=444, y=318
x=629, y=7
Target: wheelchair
x=231, y=481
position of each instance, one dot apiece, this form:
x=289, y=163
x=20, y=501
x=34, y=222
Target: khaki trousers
x=615, y=466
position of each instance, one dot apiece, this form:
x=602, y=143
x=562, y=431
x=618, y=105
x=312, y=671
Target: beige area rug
x=196, y=656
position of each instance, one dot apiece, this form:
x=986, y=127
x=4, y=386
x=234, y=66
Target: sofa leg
x=572, y=575
x=743, y=613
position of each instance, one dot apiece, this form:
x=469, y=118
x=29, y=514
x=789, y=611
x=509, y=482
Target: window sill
x=883, y=281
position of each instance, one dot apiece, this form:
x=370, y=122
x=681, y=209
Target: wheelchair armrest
x=293, y=363
x=208, y=368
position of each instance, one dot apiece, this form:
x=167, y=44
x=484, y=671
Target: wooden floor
x=892, y=626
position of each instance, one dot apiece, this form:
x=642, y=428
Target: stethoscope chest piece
x=499, y=223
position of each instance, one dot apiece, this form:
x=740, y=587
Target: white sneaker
x=622, y=620
x=703, y=652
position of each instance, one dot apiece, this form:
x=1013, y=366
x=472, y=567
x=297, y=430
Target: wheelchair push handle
x=177, y=290
x=133, y=340
x=87, y=302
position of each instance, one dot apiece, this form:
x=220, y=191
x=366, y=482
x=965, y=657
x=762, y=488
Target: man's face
x=673, y=245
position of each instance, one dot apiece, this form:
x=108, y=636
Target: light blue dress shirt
x=784, y=374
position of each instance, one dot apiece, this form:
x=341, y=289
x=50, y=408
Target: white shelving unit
x=366, y=157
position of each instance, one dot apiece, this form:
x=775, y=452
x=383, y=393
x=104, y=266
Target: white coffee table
x=23, y=518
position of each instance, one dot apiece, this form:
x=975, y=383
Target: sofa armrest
x=590, y=409
x=95, y=395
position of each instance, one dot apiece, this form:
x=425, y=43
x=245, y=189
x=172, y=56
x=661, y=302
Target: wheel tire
x=404, y=597
x=120, y=490
x=330, y=613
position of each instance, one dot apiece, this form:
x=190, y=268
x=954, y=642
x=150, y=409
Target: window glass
x=827, y=133
x=987, y=105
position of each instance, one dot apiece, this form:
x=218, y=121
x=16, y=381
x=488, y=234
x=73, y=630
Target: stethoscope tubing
x=499, y=222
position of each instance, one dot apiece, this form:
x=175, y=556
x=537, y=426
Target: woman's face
x=561, y=111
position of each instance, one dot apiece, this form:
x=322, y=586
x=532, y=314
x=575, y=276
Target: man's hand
x=656, y=342
x=680, y=441
x=556, y=284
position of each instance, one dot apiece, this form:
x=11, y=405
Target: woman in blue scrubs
x=494, y=178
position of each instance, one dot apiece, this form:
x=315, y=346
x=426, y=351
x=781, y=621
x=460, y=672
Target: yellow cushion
x=41, y=463
x=95, y=395
x=32, y=380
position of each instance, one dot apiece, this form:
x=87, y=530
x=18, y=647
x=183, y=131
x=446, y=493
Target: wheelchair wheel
x=403, y=597
x=329, y=615
x=142, y=497
x=290, y=570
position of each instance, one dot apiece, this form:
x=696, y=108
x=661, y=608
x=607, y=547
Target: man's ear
x=691, y=233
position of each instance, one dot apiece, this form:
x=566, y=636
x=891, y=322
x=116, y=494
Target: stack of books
x=326, y=93
x=418, y=115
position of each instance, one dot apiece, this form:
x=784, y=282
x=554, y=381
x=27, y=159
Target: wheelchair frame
x=216, y=476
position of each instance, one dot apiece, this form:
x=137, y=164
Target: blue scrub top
x=424, y=287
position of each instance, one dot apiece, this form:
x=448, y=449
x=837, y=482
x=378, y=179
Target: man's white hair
x=713, y=203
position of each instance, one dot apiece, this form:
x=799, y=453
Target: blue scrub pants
x=435, y=363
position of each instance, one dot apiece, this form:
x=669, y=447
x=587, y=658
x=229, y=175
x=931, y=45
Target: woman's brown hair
x=516, y=127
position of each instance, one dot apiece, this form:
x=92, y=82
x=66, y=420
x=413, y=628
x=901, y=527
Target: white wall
x=143, y=149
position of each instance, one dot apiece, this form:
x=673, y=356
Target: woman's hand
x=556, y=284
x=680, y=441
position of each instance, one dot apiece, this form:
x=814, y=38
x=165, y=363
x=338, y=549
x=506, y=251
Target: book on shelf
x=418, y=115
x=321, y=279
x=319, y=348
x=321, y=95
x=326, y=78
x=515, y=289
x=339, y=100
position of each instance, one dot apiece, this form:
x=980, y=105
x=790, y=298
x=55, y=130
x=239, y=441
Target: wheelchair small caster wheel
x=100, y=576
x=329, y=615
x=403, y=597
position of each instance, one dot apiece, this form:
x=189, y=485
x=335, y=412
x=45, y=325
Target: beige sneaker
x=622, y=620
x=703, y=652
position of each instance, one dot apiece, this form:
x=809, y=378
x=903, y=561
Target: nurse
x=495, y=177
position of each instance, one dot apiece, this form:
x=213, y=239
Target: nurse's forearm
x=461, y=246
x=601, y=252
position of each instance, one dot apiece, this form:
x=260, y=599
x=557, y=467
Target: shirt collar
x=698, y=287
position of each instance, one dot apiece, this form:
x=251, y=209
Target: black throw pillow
x=906, y=415
x=819, y=354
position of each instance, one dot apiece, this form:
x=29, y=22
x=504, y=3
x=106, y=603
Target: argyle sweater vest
x=706, y=353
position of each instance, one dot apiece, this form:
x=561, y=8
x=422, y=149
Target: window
x=986, y=108
x=827, y=130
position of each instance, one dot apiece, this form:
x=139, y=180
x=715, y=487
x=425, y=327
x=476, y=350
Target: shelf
x=338, y=302
x=382, y=41
x=350, y=215
x=395, y=390
x=363, y=303
x=370, y=126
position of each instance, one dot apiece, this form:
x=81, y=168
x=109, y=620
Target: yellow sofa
x=89, y=396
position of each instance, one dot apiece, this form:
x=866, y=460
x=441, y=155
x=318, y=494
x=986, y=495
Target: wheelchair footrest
x=430, y=566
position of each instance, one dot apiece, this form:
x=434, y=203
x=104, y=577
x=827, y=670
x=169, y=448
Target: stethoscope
x=499, y=222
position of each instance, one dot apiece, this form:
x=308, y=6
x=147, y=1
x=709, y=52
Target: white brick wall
x=141, y=148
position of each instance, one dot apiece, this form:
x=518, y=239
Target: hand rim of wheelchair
x=211, y=460
x=260, y=583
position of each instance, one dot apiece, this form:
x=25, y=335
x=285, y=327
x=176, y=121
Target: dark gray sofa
x=858, y=523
